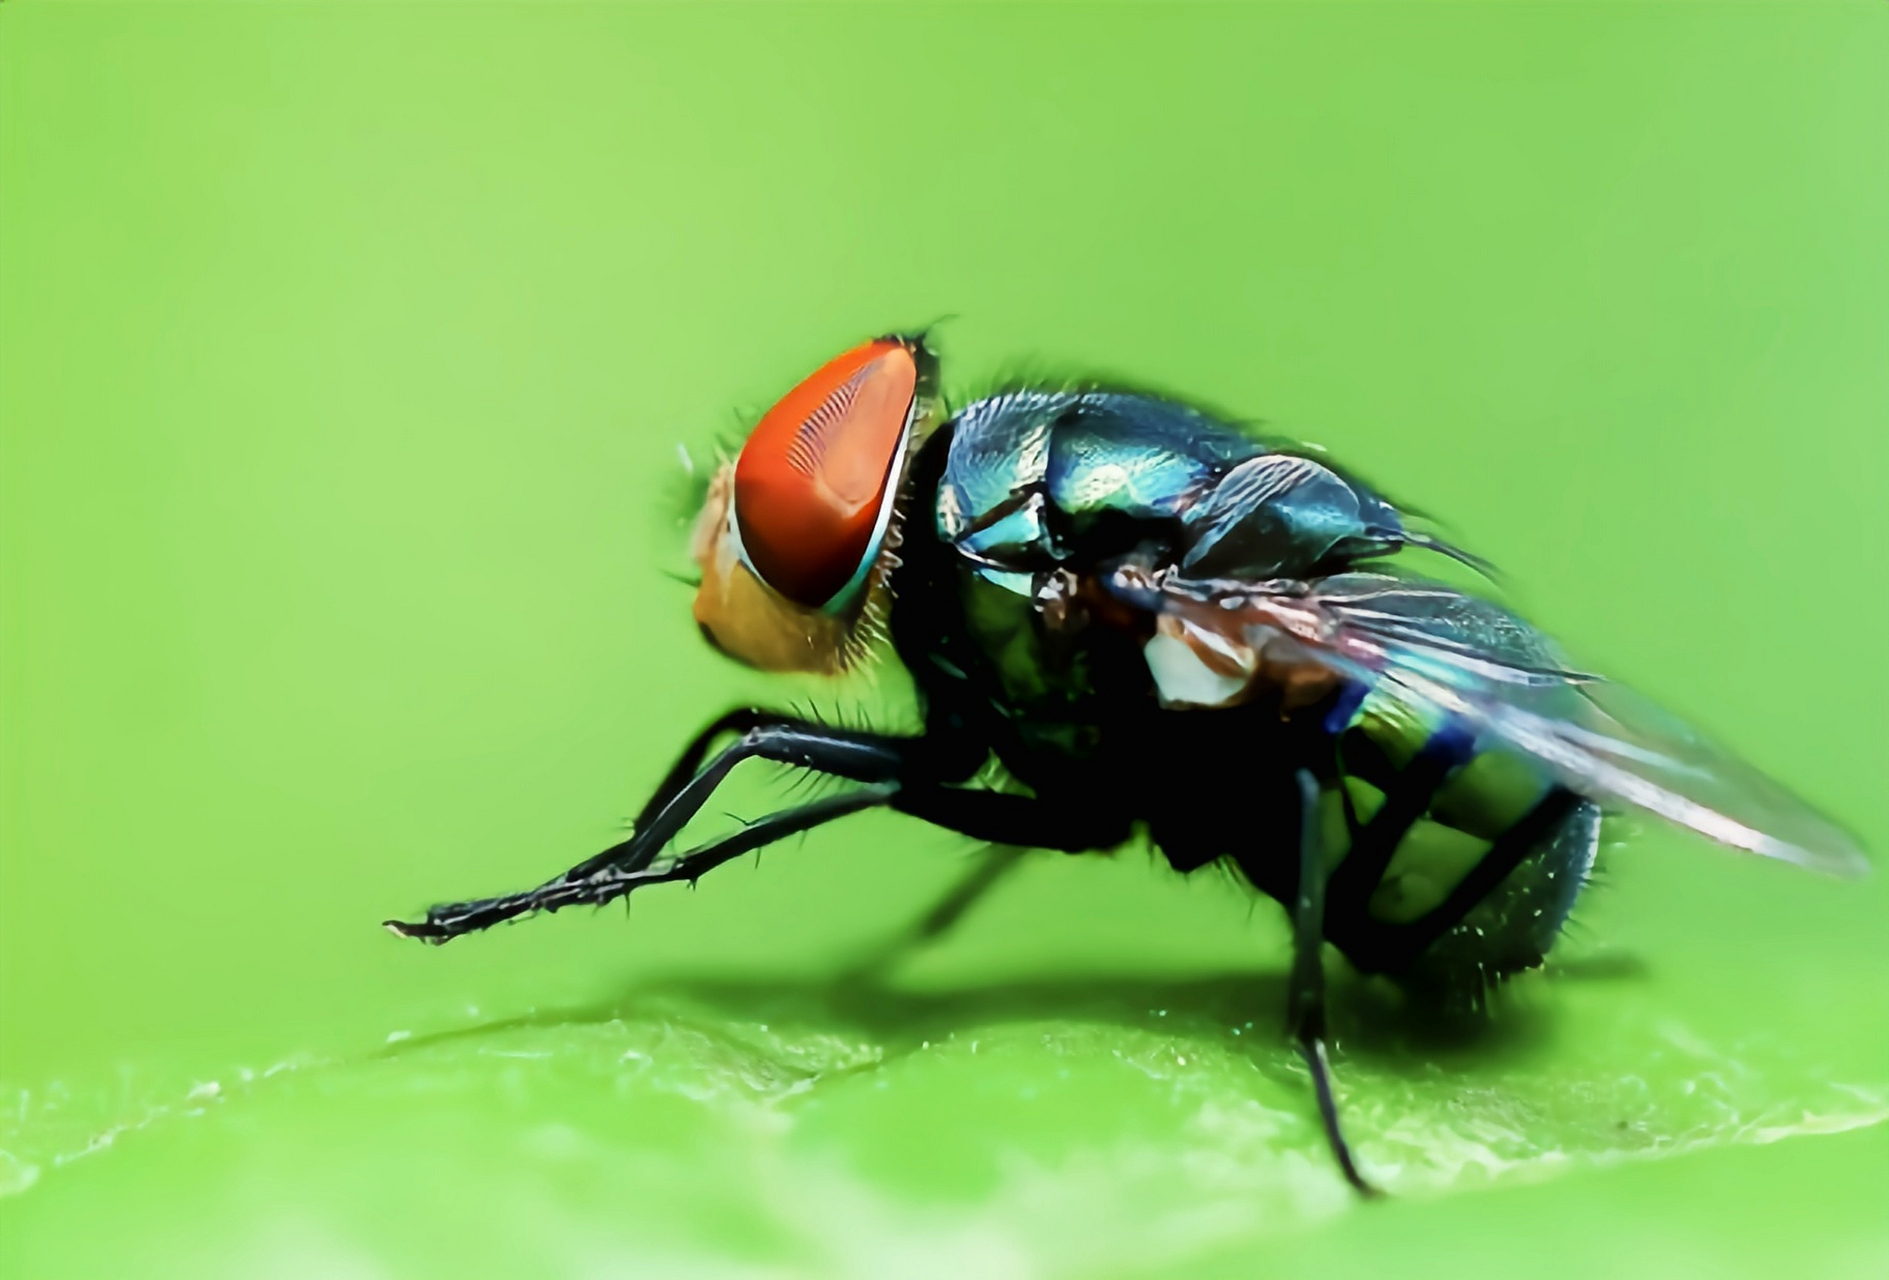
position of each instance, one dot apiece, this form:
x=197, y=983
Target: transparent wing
x=1447, y=655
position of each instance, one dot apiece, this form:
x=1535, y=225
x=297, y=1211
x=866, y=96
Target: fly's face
x=795, y=540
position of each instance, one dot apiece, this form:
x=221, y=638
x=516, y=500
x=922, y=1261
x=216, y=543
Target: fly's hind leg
x=1305, y=1013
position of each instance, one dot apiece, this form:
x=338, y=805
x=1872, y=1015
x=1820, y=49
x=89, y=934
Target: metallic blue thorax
x=1032, y=475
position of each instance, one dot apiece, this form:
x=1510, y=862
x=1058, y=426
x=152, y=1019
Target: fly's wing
x=1447, y=656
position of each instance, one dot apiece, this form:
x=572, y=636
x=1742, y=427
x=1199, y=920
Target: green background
x=346, y=355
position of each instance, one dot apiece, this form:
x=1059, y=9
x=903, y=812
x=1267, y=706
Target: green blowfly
x=1152, y=622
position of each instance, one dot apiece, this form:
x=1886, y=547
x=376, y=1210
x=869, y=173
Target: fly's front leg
x=858, y=757
x=1305, y=1014
x=685, y=768
x=610, y=884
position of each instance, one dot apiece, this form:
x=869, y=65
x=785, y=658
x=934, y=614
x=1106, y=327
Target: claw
x=424, y=931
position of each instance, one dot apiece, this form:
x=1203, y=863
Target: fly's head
x=797, y=537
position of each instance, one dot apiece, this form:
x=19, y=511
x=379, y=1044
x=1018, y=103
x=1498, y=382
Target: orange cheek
x=813, y=479
x=741, y=617
x=751, y=624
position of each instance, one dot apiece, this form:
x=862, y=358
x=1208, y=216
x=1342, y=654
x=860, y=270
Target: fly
x=1156, y=623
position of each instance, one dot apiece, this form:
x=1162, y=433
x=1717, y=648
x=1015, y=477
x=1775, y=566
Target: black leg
x=745, y=722
x=1406, y=798
x=1306, y=999
x=885, y=763
x=858, y=757
x=690, y=761
x=444, y=923
x=1503, y=857
x=686, y=766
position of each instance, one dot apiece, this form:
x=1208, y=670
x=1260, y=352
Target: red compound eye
x=815, y=483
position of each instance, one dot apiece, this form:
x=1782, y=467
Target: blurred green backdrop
x=346, y=354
